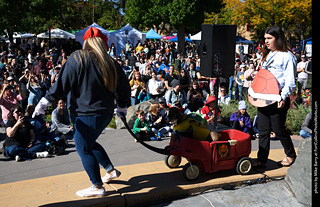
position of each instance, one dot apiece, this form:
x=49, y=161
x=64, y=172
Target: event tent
x=176, y=39
x=22, y=35
x=306, y=46
x=196, y=36
x=168, y=37
x=246, y=44
x=120, y=36
x=57, y=33
x=80, y=34
x=151, y=34
x=240, y=39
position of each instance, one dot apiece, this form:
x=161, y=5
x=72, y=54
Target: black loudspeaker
x=218, y=44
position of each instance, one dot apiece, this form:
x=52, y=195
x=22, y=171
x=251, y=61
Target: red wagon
x=231, y=151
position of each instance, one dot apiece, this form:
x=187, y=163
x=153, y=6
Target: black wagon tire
x=172, y=161
x=191, y=171
x=244, y=166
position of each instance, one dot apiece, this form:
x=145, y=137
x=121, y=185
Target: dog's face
x=175, y=116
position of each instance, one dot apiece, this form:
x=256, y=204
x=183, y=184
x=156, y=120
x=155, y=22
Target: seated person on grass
x=20, y=142
x=240, y=119
x=209, y=110
x=61, y=124
x=141, y=128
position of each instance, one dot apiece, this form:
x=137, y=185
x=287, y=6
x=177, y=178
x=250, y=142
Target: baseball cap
x=94, y=32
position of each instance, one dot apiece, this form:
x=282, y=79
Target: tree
x=294, y=16
x=76, y=14
x=37, y=16
x=12, y=17
x=28, y=15
x=184, y=15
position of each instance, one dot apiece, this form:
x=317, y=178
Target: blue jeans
x=305, y=134
x=240, y=92
x=86, y=131
x=231, y=82
x=13, y=150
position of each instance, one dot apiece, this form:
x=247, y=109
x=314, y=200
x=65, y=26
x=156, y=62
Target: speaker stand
x=216, y=108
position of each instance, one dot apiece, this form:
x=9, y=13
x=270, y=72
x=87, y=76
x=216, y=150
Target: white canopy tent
x=57, y=33
x=17, y=35
x=196, y=36
x=120, y=36
x=80, y=34
x=22, y=35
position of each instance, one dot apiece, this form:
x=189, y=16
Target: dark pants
x=144, y=137
x=236, y=125
x=273, y=118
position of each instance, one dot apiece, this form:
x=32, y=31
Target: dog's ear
x=173, y=113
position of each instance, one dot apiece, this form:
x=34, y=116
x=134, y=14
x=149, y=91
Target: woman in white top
x=155, y=86
x=282, y=64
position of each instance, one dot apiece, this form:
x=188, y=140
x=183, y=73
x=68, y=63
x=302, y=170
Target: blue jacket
x=83, y=85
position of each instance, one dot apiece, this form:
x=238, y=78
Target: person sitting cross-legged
x=19, y=143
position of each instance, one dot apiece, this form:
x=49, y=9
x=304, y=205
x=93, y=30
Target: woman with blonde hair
x=158, y=123
x=91, y=81
x=136, y=84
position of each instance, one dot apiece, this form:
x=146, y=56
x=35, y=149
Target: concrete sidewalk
x=139, y=184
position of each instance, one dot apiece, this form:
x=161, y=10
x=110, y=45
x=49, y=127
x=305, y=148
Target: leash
x=152, y=148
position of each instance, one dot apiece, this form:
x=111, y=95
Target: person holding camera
x=20, y=142
x=9, y=99
x=34, y=90
x=196, y=96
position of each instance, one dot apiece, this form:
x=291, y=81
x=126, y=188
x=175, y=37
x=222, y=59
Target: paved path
x=119, y=145
x=139, y=184
x=145, y=178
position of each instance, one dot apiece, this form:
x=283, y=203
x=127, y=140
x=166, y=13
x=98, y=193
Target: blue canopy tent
x=306, y=46
x=80, y=34
x=240, y=39
x=175, y=39
x=151, y=34
x=246, y=44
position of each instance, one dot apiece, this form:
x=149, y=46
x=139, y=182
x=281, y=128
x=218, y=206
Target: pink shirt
x=6, y=103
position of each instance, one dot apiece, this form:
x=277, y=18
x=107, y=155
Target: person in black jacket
x=20, y=141
x=91, y=80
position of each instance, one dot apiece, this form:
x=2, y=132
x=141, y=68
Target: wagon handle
x=152, y=148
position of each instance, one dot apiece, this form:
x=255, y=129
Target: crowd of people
x=154, y=71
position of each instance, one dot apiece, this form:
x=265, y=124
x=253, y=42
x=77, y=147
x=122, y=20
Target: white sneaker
x=110, y=176
x=91, y=191
x=42, y=154
x=18, y=158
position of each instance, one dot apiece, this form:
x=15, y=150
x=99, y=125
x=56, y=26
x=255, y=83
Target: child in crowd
x=143, y=96
x=240, y=119
x=208, y=110
x=306, y=96
x=141, y=128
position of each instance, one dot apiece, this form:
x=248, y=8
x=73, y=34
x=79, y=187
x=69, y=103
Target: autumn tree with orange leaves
x=294, y=16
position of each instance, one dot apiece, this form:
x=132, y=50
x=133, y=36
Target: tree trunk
x=49, y=37
x=10, y=36
x=181, y=41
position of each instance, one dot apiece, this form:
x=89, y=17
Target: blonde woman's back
x=83, y=83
